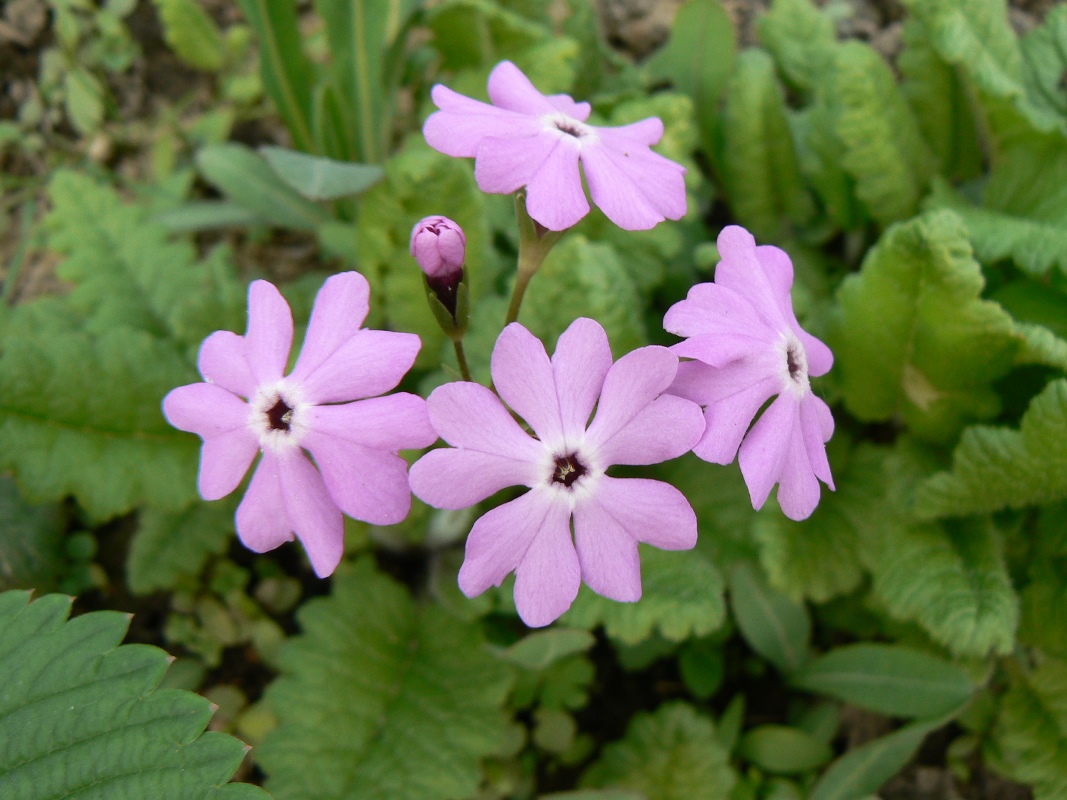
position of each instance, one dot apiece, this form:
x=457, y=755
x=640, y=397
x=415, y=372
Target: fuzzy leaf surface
x=801, y=38
x=912, y=336
x=670, y=754
x=81, y=715
x=386, y=699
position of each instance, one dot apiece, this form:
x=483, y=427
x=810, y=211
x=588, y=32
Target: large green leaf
x=776, y=627
x=170, y=546
x=759, y=162
x=671, y=754
x=883, y=148
x=81, y=716
x=319, y=178
x=1044, y=60
x=802, y=40
x=384, y=698
x=995, y=468
x=682, y=596
x=912, y=336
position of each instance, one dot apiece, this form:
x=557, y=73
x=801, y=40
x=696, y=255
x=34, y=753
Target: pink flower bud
x=438, y=245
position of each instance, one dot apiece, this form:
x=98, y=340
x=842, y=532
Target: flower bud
x=439, y=246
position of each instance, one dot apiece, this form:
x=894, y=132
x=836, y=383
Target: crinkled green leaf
x=802, y=40
x=381, y=698
x=1044, y=51
x=1041, y=346
x=819, y=154
x=472, y=33
x=191, y=34
x=682, y=596
x=995, y=468
x=759, y=163
x=1036, y=246
x=888, y=679
x=670, y=754
x=883, y=148
x=170, y=546
x=1043, y=619
x=911, y=336
x=581, y=278
x=1031, y=729
x=81, y=716
x=818, y=558
x=127, y=271
x=80, y=415
x=776, y=627
x=31, y=542
x=941, y=103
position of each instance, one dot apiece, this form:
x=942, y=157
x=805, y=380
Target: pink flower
x=354, y=444
x=527, y=139
x=748, y=348
x=563, y=464
x=439, y=246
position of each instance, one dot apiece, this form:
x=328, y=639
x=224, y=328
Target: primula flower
x=748, y=348
x=563, y=464
x=248, y=405
x=528, y=139
x=439, y=246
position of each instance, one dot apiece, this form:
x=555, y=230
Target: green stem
x=534, y=244
x=464, y=369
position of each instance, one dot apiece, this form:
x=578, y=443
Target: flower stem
x=535, y=241
x=461, y=357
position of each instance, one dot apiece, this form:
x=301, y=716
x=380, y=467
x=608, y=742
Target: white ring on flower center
x=265, y=399
x=794, y=361
x=563, y=125
x=583, y=486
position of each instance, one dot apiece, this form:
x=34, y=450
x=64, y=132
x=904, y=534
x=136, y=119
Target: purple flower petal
x=652, y=512
x=262, y=521
x=721, y=349
x=340, y=308
x=798, y=488
x=222, y=362
x=315, y=518
x=820, y=359
x=204, y=409
x=645, y=132
x=766, y=286
x=636, y=189
x=772, y=440
x=456, y=478
x=817, y=424
x=510, y=89
x=470, y=416
x=365, y=483
x=507, y=163
x=554, y=195
x=270, y=332
x=522, y=374
x=666, y=428
x=581, y=360
x=548, y=577
x=396, y=422
x=607, y=553
x=728, y=419
x=634, y=381
x=461, y=124
x=224, y=460
x=713, y=310
x=566, y=105
x=367, y=364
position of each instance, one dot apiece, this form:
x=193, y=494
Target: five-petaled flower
x=563, y=465
x=528, y=139
x=354, y=444
x=749, y=347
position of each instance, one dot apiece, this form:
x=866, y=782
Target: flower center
x=795, y=374
x=569, y=127
x=568, y=470
x=280, y=416
x=793, y=361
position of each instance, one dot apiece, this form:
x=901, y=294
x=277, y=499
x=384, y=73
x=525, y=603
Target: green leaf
x=191, y=33
x=1036, y=246
x=759, y=164
x=85, y=100
x=995, y=468
x=888, y=679
x=802, y=40
x=698, y=58
x=942, y=104
x=773, y=625
x=911, y=335
x=1043, y=618
x=206, y=215
x=1044, y=52
x=287, y=74
x=883, y=148
x=863, y=770
x=168, y=547
x=82, y=716
x=1031, y=729
x=782, y=749
x=702, y=666
x=681, y=597
x=319, y=178
x=31, y=542
x=246, y=179
x=1041, y=346
x=671, y=754
x=385, y=698
x=541, y=648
